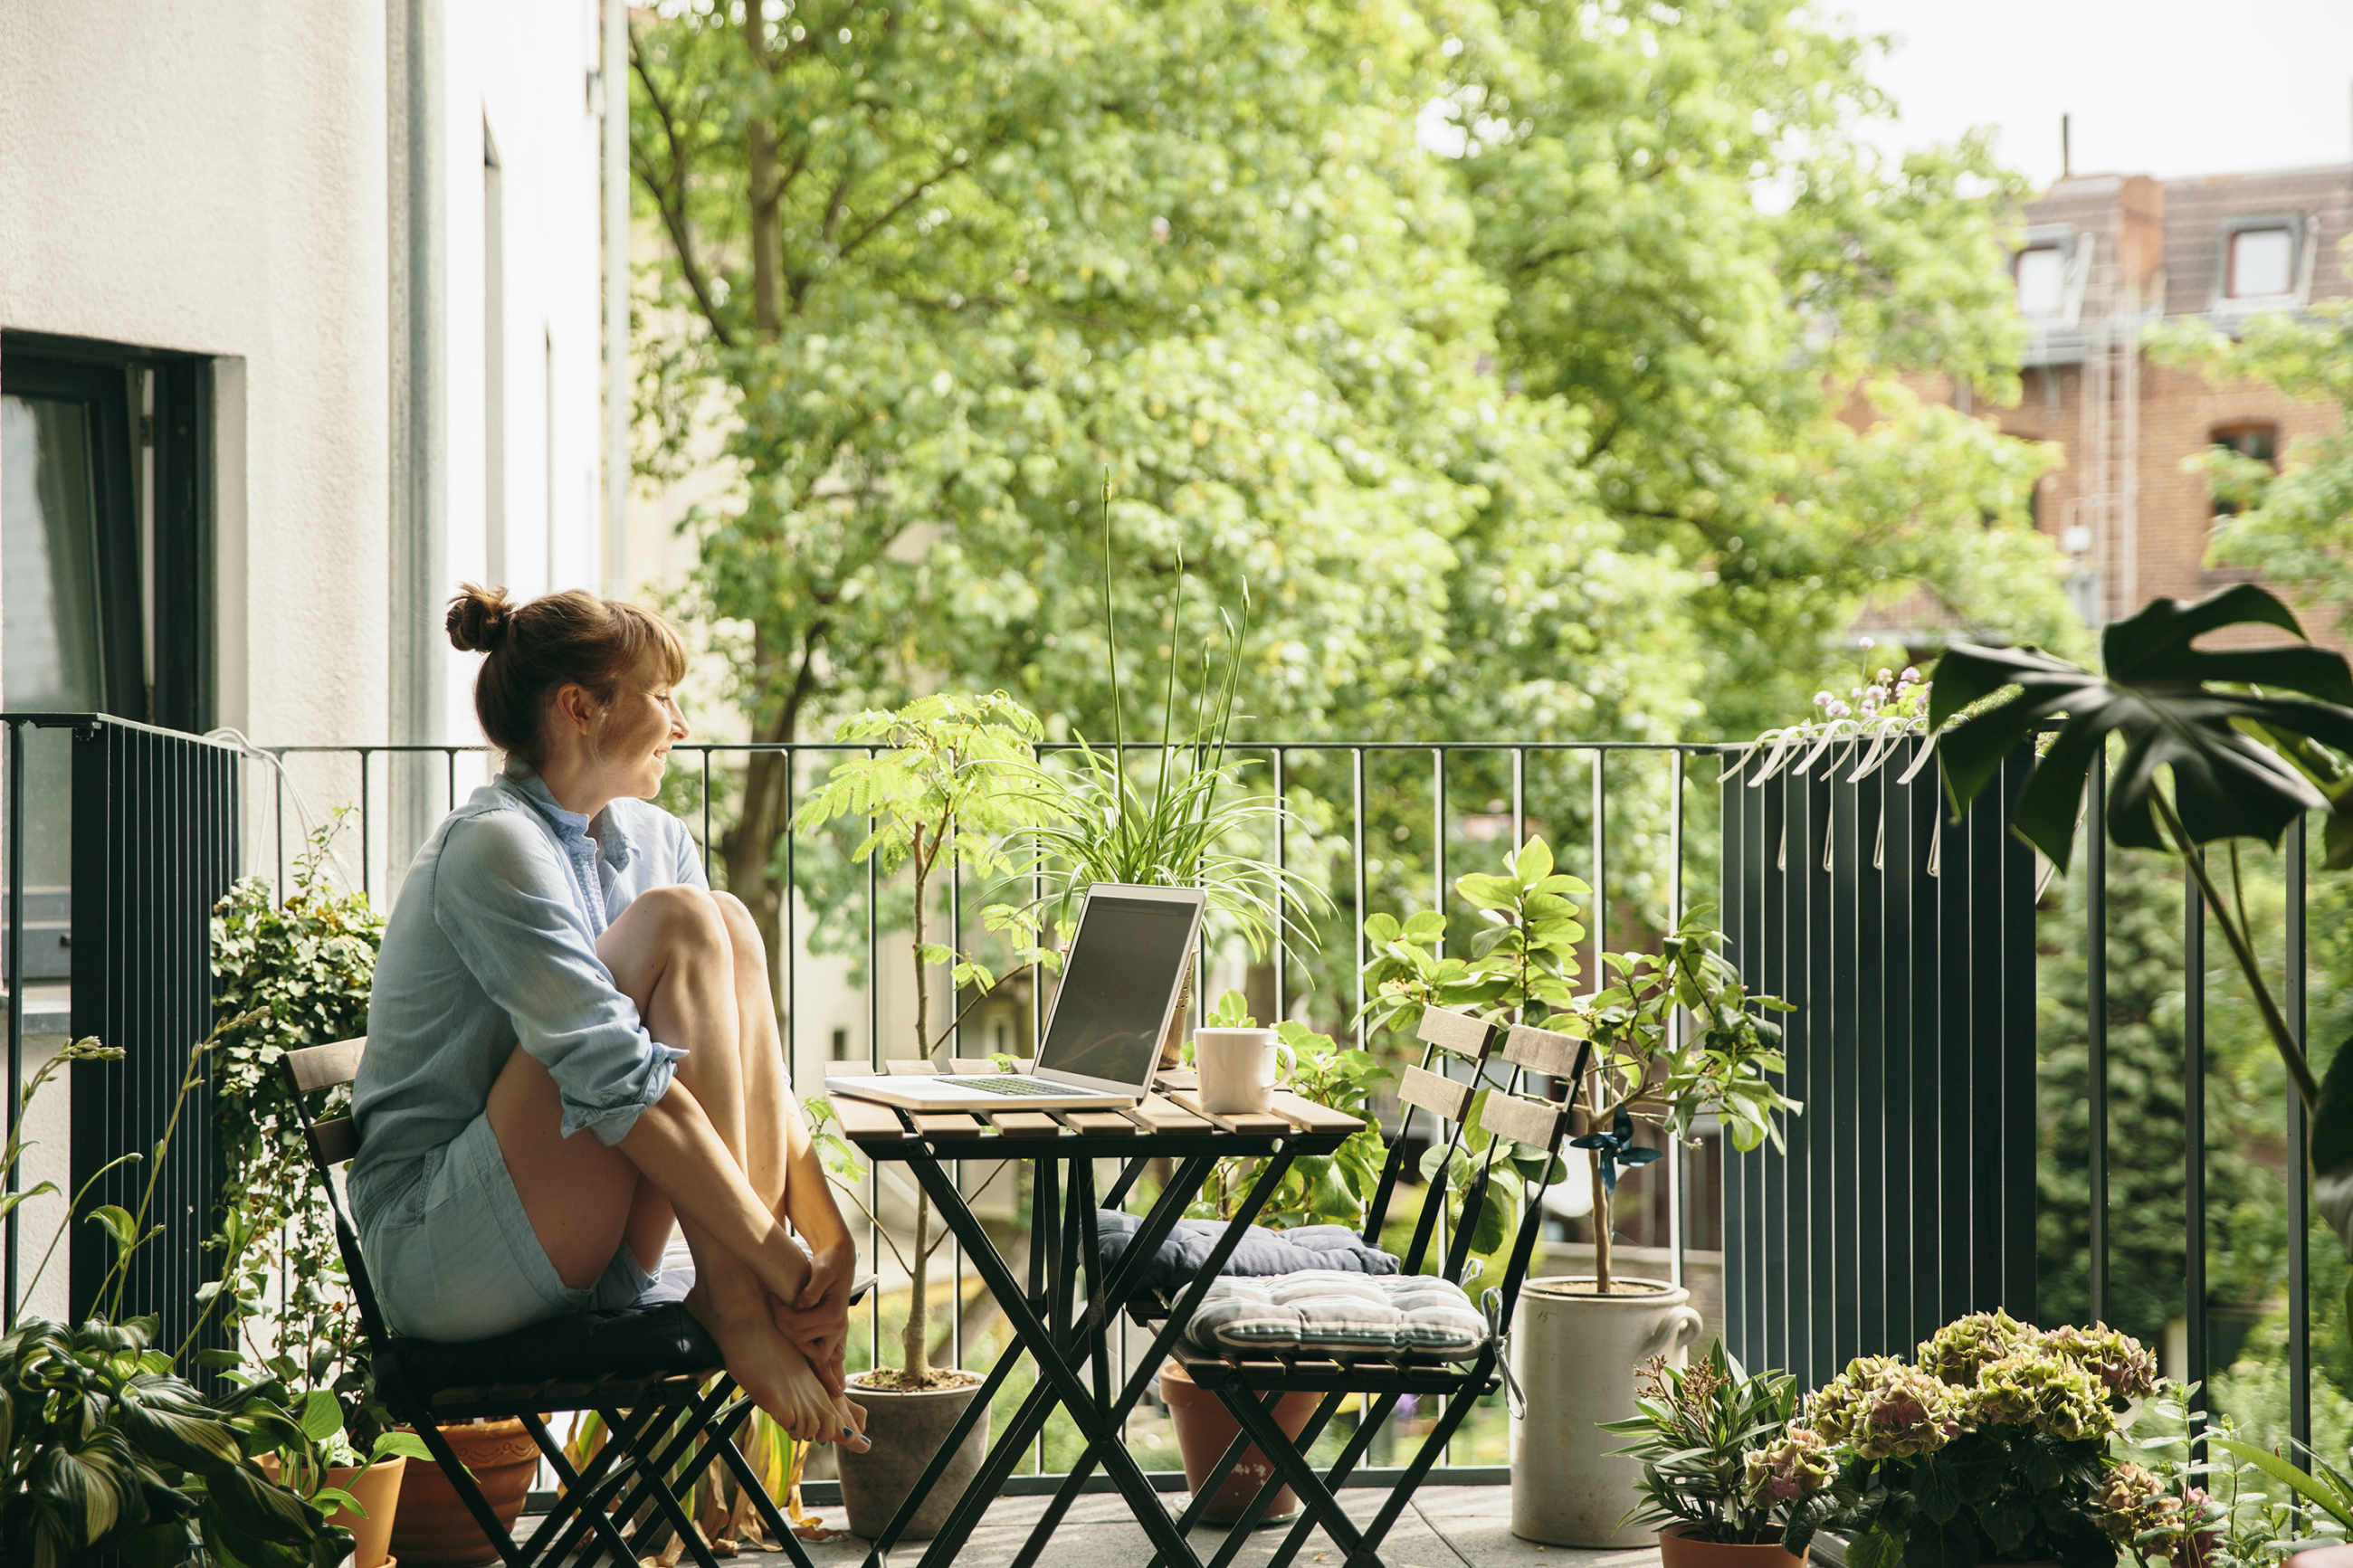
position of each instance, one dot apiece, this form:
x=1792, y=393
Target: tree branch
x=669, y=196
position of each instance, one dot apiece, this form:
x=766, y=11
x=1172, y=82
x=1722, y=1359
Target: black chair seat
x=640, y=1344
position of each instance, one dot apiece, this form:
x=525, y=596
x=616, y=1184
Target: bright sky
x=2156, y=87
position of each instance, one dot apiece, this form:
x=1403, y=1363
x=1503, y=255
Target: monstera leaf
x=2243, y=761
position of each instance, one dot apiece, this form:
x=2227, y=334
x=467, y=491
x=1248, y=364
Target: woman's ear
x=575, y=707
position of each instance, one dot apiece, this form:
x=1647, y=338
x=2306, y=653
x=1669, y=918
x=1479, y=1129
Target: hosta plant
x=1993, y=1444
x=1703, y=1433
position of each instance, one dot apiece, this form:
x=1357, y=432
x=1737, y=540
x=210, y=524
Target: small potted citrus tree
x=1579, y=1339
x=949, y=776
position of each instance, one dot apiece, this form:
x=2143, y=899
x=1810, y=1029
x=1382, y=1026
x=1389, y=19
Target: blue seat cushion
x=1261, y=1252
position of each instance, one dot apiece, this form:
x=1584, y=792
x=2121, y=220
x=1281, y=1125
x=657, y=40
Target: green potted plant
x=1189, y=828
x=1579, y=1339
x=1701, y=1433
x=106, y=1448
x=288, y=974
x=2249, y=738
x=1318, y=1189
x=1995, y=1444
x=949, y=776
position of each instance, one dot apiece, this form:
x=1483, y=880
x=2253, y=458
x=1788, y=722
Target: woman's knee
x=684, y=919
x=742, y=930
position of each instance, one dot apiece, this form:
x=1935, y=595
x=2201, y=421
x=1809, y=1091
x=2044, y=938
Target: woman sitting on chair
x=558, y=910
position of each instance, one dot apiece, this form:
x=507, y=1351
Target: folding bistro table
x=1066, y=1338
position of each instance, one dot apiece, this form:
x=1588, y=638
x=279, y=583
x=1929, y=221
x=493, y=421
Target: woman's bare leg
x=670, y=954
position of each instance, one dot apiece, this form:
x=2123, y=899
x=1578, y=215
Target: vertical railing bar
x=1282, y=866
x=706, y=834
x=16, y=995
x=2095, y=975
x=449, y=777
x=1037, y=1040
x=874, y=1060
x=1437, y=892
x=279, y=819
x=2299, y=1190
x=1357, y=849
x=1674, y=1161
x=955, y=1048
x=367, y=867
x=2193, y=1119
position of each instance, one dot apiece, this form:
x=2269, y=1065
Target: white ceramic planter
x=1573, y=1355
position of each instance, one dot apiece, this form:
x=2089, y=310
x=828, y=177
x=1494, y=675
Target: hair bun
x=477, y=621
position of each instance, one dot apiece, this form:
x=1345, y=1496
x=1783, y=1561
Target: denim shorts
x=453, y=1257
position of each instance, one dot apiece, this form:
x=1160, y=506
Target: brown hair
x=557, y=639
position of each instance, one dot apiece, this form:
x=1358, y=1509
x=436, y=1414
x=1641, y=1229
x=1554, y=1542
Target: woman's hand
x=817, y=1318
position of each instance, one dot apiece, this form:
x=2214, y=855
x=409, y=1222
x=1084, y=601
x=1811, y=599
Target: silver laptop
x=1120, y=986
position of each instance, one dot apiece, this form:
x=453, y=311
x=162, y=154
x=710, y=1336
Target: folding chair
x=1252, y=1383
x=652, y=1373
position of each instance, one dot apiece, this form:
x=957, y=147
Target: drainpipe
x=616, y=297
x=419, y=269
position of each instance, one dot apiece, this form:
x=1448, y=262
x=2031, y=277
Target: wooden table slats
x=1026, y=1123
x=1314, y=1118
x=865, y=1118
x=948, y=1124
x=1251, y=1124
x=1099, y=1121
x=1162, y=1114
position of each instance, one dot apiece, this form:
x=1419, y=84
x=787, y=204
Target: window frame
x=2300, y=259
x=107, y=379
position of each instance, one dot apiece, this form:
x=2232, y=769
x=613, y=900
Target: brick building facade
x=2103, y=258
x=2107, y=257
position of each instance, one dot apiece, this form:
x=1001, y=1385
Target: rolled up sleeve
x=502, y=896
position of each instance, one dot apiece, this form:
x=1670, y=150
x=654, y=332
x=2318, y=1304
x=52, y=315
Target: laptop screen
x=1123, y=967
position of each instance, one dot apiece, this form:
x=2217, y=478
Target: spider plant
x=1193, y=825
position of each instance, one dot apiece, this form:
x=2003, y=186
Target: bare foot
x=773, y=1374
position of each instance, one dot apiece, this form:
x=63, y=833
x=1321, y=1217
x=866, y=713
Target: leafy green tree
x=1721, y=283
x=2295, y=529
x=1546, y=438
x=2146, y=1210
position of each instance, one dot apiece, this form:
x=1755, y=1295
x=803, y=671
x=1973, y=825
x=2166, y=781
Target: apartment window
x=102, y=531
x=2262, y=263
x=2255, y=442
x=2041, y=274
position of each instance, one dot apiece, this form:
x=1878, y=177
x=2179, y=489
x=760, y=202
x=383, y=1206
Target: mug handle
x=1288, y=1060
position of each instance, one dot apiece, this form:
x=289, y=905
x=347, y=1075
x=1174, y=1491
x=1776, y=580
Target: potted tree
x=1702, y=1433
x=1579, y=1339
x=949, y=776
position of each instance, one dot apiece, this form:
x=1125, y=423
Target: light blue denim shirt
x=492, y=945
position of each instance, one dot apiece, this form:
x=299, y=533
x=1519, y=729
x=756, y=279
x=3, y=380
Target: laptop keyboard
x=1009, y=1083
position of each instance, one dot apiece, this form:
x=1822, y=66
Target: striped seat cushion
x=1331, y=1313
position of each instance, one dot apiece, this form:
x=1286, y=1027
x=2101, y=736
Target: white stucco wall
x=212, y=177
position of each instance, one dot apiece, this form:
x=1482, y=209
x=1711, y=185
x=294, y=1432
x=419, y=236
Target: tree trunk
x=914, y=1341
x=1601, y=1224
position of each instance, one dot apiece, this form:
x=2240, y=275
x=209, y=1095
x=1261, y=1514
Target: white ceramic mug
x=1237, y=1068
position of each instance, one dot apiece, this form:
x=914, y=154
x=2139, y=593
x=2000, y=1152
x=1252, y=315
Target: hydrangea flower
x=1798, y=1465
x=1883, y=1409
x=2046, y=1392
x=2116, y=1359
x=1962, y=1348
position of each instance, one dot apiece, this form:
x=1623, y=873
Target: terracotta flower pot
x=1206, y=1428
x=433, y=1528
x=1677, y=1550
x=907, y=1430
x=378, y=1487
